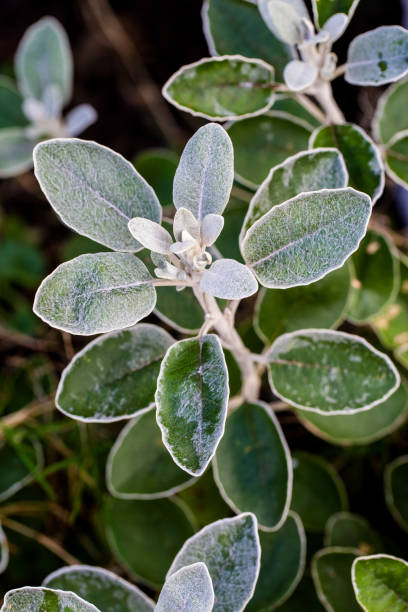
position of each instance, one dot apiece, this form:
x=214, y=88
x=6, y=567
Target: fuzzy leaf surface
x=16, y=152
x=190, y=588
x=228, y=279
x=39, y=599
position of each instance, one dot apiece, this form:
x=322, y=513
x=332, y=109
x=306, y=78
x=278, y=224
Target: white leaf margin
x=369, y=558
x=338, y=516
x=89, y=607
x=315, y=575
x=272, y=416
x=220, y=58
x=224, y=521
x=380, y=189
x=104, y=573
x=140, y=496
x=389, y=496
x=96, y=341
x=355, y=338
x=223, y=412
x=379, y=111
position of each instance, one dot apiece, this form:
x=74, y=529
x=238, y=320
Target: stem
x=324, y=95
x=311, y=107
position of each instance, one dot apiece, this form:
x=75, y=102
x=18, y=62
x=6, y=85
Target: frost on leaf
x=229, y=279
x=190, y=588
x=38, y=599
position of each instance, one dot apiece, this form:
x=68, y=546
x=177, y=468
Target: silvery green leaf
x=97, y=293
x=211, y=228
x=335, y=25
x=224, y=21
x=40, y=599
x=323, y=10
x=233, y=539
x=303, y=172
x=139, y=465
x=182, y=247
x=4, y=551
x=378, y=57
x=184, y=220
x=79, y=119
x=229, y=279
x=190, y=588
x=16, y=152
x=253, y=466
x=114, y=377
x=205, y=174
x=283, y=18
x=11, y=101
x=302, y=240
x=222, y=88
x=311, y=369
x=34, y=110
x=191, y=399
x=100, y=587
x=150, y=234
x=94, y=190
x=380, y=583
x=52, y=100
x=44, y=58
x=300, y=75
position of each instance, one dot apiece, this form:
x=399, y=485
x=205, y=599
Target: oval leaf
x=381, y=583
x=235, y=539
x=229, y=279
x=190, y=588
x=396, y=490
x=363, y=160
x=146, y=535
x=300, y=241
x=396, y=158
x=94, y=190
x=158, y=167
x=222, y=88
x=139, y=465
x=115, y=376
x=96, y=293
x=318, y=305
x=303, y=172
x=352, y=530
x=191, y=398
x=100, y=587
x=283, y=18
x=16, y=152
x=39, y=599
x=331, y=570
x=390, y=117
x=283, y=562
x=300, y=75
x=252, y=466
x=378, y=57
x=324, y=9
x=330, y=372
x=318, y=491
x=260, y=143
x=44, y=59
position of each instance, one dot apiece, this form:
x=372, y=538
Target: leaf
x=392, y=324
x=190, y=588
x=306, y=171
x=376, y=279
x=331, y=569
x=324, y=9
x=390, y=117
x=283, y=562
x=222, y=88
x=205, y=174
x=284, y=19
x=263, y=142
x=79, y=119
x=381, y=583
x=16, y=473
x=100, y=587
x=252, y=466
x=289, y=105
x=352, y=530
x=151, y=235
x=40, y=599
x=318, y=305
x=11, y=102
x=229, y=279
x=146, y=535
x=16, y=152
x=363, y=160
x=179, y=309
x=191, y=398
x=139, y=466
x=236, y=27
x=4, y=551
x=300, y=241
x=44, y=58
x=115, y=376
x=396, y=490
x=211, y=228
x=318, y=491
x=378, y=57
x=94, y=190
x=300, y=75
x=233, y=539
x=96, y=293
x=396, y=159
x=204, y=500
x=362, y=427
x=233, y=215
x=332, y=372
